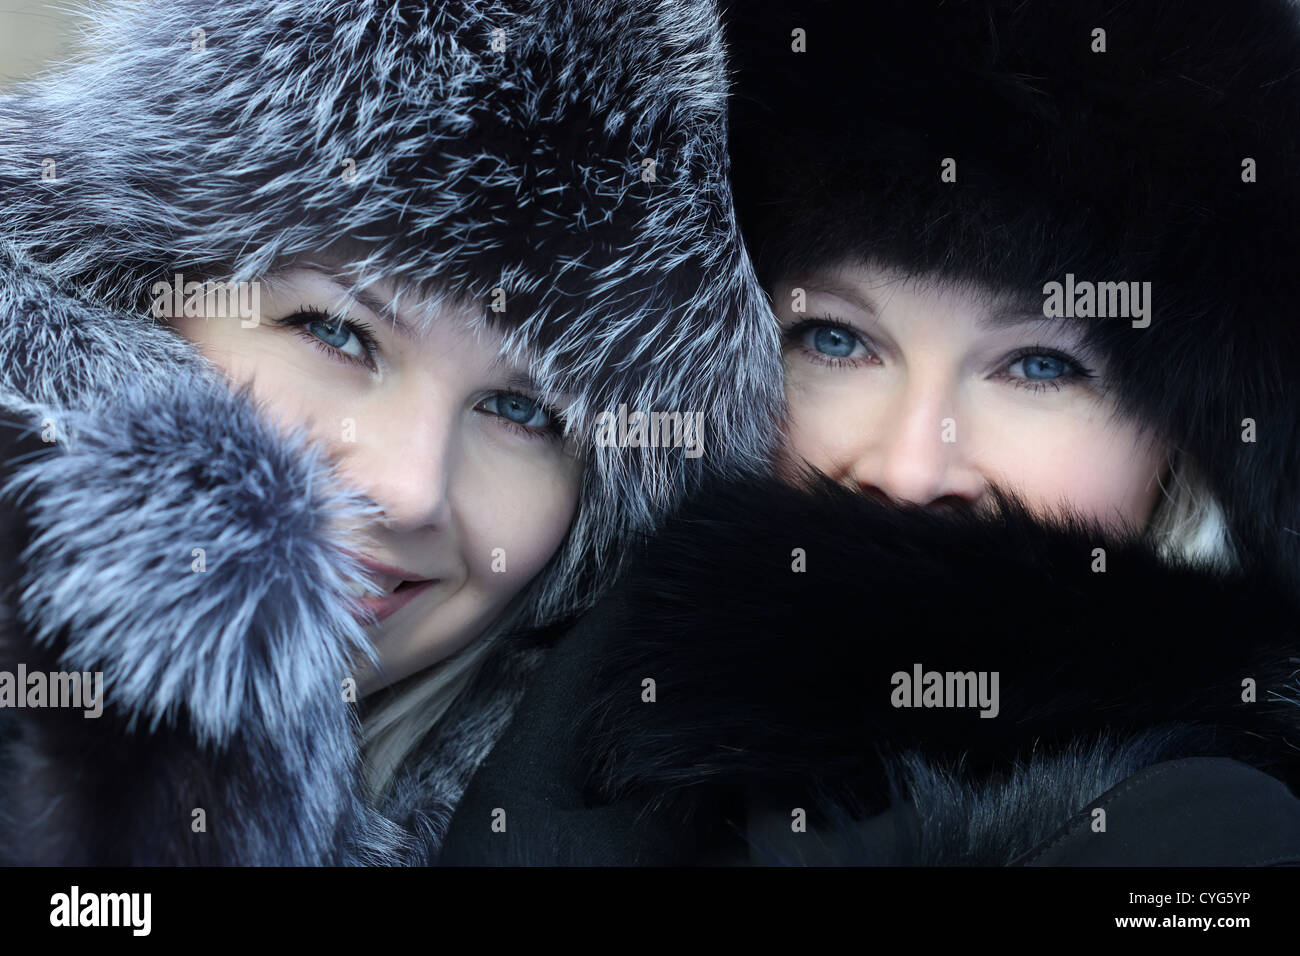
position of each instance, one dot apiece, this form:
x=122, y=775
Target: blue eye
x=1039, y=367
x=346, y=340
x=831, y=341
x=521, y=411
x=828, y=342
x=336, y=336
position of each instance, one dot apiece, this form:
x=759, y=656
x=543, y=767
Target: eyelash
x=365, y=333
x=552, y=432
x=1076, y=370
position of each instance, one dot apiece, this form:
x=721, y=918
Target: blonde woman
x=308, y=317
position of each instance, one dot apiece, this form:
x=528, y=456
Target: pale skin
x=926, y=393
x=433, y=426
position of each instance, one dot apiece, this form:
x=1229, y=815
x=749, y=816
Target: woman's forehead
x=869, y=284
x=876, y=291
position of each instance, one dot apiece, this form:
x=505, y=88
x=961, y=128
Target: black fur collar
x=773, y=678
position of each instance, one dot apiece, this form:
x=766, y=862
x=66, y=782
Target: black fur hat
x=1133, y=141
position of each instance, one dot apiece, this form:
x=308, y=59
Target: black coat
x=775, y=732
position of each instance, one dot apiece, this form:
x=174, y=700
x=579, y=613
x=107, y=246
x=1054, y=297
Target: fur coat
x=758, y=689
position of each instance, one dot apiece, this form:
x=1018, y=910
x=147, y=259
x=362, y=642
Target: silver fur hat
x=571, y=154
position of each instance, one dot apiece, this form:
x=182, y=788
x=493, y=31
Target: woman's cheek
x=294, y=401
x=291, y=389
x=1096, y=470
x=821, y=425
x=516, y=515
x=1127, y=480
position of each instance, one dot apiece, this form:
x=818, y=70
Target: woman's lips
x=400, y=587
x=389, y=604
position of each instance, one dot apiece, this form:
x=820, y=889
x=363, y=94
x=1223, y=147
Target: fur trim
x=222, y=666
x=247, y=650
x=771, y=678
x=57, y=350
x=942, y=816
x=1116, y=166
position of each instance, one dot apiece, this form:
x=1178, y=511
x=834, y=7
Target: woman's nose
x=406, y=467
x=919, y=454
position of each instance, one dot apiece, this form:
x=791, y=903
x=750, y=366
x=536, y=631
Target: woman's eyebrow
x=516, y=379
x=1001, y=318
x=996, y=319
x=1003, y=308
x=367, y=299
x=840, y=290
x=521, y=381
x=1067, y=332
